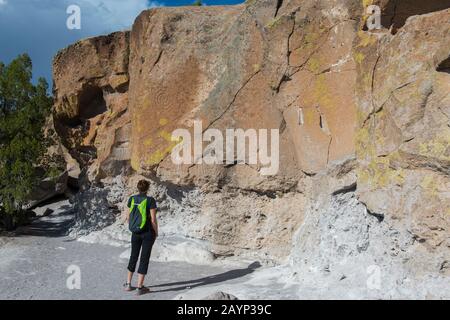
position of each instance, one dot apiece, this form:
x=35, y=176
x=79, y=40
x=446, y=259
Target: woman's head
x=143, y=186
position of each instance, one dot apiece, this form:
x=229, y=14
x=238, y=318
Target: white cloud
x=153, y=4
x=112, y=14
x=38, y=27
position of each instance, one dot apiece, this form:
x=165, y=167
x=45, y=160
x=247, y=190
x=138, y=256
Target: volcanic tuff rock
x=403, y=140
x=363, y=119
x=91, y=102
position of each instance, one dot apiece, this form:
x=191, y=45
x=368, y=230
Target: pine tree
x=24, y=108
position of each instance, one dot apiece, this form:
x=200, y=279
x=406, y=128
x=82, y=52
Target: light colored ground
x=35, y=261
x=34, y=265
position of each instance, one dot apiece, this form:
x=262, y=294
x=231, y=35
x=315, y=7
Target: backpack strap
x=132, y=204
x=143, y=211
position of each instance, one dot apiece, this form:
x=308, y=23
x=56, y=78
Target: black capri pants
x=143, y=243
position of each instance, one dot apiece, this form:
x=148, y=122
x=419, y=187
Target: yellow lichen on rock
x=148, y=142
x=439, y=147
x=364, y=146
x=366, y=39
x=163, y=121
x=381, y=175
x=273, y=23
x=430, y=185
x=313, y=65
x=359, y=57
x=322, y=92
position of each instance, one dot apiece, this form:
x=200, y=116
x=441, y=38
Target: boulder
x=46, y=189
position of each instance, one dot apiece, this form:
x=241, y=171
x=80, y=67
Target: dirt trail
x=34, y=265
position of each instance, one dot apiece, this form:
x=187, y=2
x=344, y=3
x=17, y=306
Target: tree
x=197, y=3
x=24, y=108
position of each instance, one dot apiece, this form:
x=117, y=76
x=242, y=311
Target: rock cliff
x=363, y=119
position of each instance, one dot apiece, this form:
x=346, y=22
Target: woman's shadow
x=190, y=284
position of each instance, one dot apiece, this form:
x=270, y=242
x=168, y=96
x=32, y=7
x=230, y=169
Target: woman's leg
x=136, y=243
x=129, y=276
x=147, y=244
x=141, y=279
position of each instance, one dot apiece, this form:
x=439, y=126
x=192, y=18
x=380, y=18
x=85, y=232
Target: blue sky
x=38, y=27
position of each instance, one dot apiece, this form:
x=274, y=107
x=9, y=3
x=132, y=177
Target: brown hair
x=143, y=186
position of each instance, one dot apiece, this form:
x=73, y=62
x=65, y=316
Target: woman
x=141, y=218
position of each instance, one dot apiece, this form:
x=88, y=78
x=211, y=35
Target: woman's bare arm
x=154, y=221
x=126, y=215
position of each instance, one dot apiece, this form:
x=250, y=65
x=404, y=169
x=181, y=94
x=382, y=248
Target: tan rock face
x=294, y=72
x=394, y=13
x=403, y=141
x=335, y=91
x=91, y=100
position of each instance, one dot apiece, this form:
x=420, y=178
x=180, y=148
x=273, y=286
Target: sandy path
x=34, y=265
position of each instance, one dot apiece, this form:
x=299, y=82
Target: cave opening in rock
x=91, y=102
x=73, y=122
x=444, y=66
x=395, y=13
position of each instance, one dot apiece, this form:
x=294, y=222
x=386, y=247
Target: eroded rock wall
x=363, y=116
x=91, y=103
x=403, y=141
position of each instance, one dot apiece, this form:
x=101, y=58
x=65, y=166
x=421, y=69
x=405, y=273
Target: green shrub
x=24, y=108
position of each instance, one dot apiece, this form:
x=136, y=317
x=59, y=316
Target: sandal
x=142, y=290
x=127, y=286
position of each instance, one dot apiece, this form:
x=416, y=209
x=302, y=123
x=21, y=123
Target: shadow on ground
x=54, y=225
x=222, y=277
